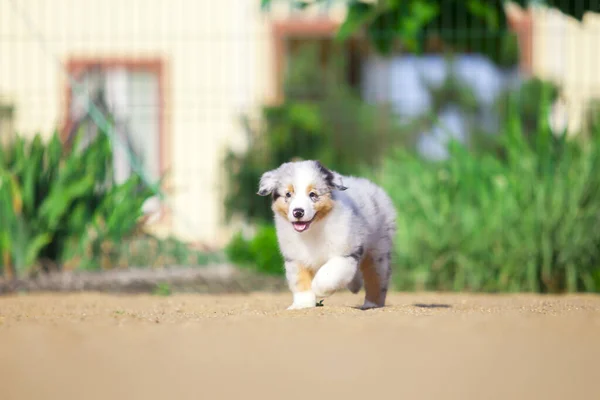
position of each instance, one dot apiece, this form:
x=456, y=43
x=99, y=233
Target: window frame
x=292, y=28
x=78, y=65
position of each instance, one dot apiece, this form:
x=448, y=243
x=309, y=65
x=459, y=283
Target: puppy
x=333, y=231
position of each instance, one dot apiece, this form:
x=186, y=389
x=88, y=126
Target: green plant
x=162, y=289
x=525, y=101
x=62, y=207
x=524, y=221
x=260, y=253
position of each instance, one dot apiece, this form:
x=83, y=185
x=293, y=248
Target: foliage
x=528, y=221
x=475, y=25
x=525, y=101
x=62, y=207
x=320, y=118
x=162, y=289
x=455, y=94
x=520, y=215
x=592, y=116
x=522, y=102
x=260, y=253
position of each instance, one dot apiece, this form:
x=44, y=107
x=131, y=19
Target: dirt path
x=422, y=346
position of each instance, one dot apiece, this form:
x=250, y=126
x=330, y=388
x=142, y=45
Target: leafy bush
x=526, y=221
x=62, y=207
x=525, y=102
x=261, y=253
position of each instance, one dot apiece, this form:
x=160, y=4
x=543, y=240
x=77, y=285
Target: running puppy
x=334, y=232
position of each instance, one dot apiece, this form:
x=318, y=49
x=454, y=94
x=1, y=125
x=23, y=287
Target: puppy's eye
x=288, y=195
x=313, y=195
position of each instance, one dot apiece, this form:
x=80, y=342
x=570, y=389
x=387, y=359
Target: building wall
x=567, y=52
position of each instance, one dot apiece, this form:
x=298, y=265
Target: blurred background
x=133, y=133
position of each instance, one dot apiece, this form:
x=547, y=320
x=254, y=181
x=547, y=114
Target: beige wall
x=568, y=52
x=218, y=59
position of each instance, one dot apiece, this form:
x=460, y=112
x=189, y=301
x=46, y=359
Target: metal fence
x=180, y=85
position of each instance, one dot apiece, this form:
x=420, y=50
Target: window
x=293, y=36
x=348, y=53
x=130, y=93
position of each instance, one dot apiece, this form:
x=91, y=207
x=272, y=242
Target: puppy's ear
x=336, y=181
x=332, y=178
x=268, y=183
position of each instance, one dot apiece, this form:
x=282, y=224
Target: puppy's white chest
x=316, y=250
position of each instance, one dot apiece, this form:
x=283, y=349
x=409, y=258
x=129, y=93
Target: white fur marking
x=303, y=300
x=302, y=179
x=336, y=274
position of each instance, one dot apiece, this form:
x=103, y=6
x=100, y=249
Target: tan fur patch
x=309, y=189
x=371, y=279
x=280, y=205
x=304, y=279
x=323, y=206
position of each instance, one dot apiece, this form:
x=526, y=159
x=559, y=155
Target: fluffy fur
x=334, y=232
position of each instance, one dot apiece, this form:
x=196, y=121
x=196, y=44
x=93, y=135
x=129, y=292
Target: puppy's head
x=301, y=191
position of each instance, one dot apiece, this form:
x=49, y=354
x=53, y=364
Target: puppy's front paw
x=323, y=292
x=335, y=275
x=303, y=300
x=324, y=285
x=295, y=306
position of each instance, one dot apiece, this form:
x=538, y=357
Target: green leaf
x=306, y=115
x=411, y=24
x=358, y=15
x=486, y=12
x=34, y=247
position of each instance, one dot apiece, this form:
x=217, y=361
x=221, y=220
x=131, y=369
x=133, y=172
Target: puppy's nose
x=298, y=213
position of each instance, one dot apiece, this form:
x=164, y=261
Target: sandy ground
x=422, y=346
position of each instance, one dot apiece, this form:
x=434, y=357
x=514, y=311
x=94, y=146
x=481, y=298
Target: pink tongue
x=299, y=226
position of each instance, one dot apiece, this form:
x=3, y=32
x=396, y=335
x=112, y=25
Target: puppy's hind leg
x=356, y=283
x=376, y=274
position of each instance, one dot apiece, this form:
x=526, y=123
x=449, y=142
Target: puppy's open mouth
x=301, y=226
